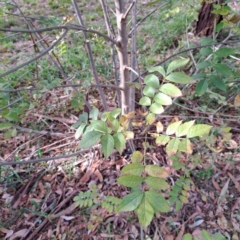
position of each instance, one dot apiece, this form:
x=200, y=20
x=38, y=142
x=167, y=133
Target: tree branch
x=35, y=58
x=48, y=159
x=68, y=27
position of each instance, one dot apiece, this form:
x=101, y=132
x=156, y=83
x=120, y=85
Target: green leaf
x=149, y=91
x=94, y=114
x=113, y=123
x=152, y=81
x=89, y=139
x=206, y=235
x=187, y=236
x=179, y=77
x=131, y=181
x=107, y=142
x=183, y=199
x=179, y=205
x=185, y=146
x=172, y=146
x=183, y=128
x=99, y=126
x=157, y=183
x=156, y=108
x=204, y=64
x=198, y=130
x=119, y=142
x=156, y=171
x=223, y=69
x=159, y=69
x=199, y=76
x=157, y=201
x=218, y=236
x=162, y=140
x=224, y=52
x=150, y=118
x=206, y=51
x=12, y=116
x=162, y=99
x=137, y=157
x=177, y=64
x=145, y=212
x=80, y=131
x=133, y=169
x=206, y=41
x=218, y=83
x=5, y=125
x=83, y=117
x=170, y=90
x=76, y=124
x=172, y=128
x=131, y=201
x=145, y=101
x=201, y=87
x=116, y=112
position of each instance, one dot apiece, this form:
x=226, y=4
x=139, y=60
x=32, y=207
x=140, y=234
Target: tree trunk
x=206, y=19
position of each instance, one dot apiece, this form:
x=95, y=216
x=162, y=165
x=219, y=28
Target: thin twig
x=12, y=103
x=48, y=159
x=66, y=27
x=35, y=58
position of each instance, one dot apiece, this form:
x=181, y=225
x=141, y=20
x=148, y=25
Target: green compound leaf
x=131, y=181
x=203, y=64
x=162, y=140
x=145, y=212
x=107, y=142
x=159, y=69
x=179, y=205
x=224, y=52
x=116, y=112
x=99, y=126
x=172, y=146
x=198, y=130
x=185, y=146
x=206, y=51
x=119, y=142
x=80, y=131
x=131, y=201
x=156, y=171
x=137, y=157
x=149, y=91
x=89, y=139
x=223, y=69
x=187, y=236
x=94, y=114
x=177, y=64
x=156, y=108
x=12, y=116
x=201, y=87
x=206, y=235
x=172, y=128
x=152, y=81
x=157, y=201
x=182, y=130
x=162, y=99
x=150, y=118
x=145, y=101
x=170, y=90
x=218, y=82
x=5, y=125
x=179, y=77
x=156, y=183
x=133, y=169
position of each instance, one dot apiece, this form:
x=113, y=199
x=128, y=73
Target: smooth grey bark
x=122, y=50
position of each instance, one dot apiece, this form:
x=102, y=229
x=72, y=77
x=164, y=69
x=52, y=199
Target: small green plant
x=205, y=235
x=146, y=181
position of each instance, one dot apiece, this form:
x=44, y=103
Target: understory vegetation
x=118, y=121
